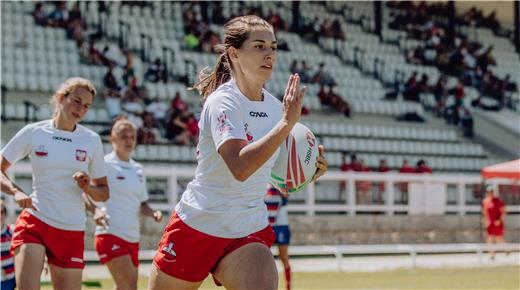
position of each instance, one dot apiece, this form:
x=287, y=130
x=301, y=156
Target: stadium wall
x=352, y=230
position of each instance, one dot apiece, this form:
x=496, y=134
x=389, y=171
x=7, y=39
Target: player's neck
x=123, y=156
x=61, y=124
x=250, y=89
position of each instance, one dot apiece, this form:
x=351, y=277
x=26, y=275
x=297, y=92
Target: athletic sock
x=288, y=278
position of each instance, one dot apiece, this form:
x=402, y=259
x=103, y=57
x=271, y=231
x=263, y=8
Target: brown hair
x=236, y=31
x=68, y=87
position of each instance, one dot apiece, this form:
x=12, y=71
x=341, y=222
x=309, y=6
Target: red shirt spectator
x=406, y=168
x=422, y=167
x=383, y=167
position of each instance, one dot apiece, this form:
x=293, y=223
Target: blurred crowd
x=468, y=61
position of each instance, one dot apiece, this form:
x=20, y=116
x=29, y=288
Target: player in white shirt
x=220, y=224
x=117, y=233
x=66, y=160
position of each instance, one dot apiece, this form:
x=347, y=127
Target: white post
x=461, y=201
x=351, y=197
x=311, y=199
x=389, y=186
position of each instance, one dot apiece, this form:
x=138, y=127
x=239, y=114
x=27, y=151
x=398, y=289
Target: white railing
x=339, y=251
x=432, y=187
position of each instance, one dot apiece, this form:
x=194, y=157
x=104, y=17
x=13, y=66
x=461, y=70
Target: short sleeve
x=226, y=121
x=19, y=146
x=97, y=166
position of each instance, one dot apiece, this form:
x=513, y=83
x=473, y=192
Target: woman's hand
x=157, y=216
x=321, y=163
x=23, y=200
x=293, y=100
x=82, y=179
x=101, y=218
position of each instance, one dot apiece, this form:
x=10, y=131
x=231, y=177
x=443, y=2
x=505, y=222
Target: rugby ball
x=296, y=163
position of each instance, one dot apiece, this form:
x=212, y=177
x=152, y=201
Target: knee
x=264, y=279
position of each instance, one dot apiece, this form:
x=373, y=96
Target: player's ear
x=233, y=53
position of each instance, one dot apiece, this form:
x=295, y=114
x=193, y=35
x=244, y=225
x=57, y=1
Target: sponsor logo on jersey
x=41, y=151
x=81, y=155
x=58, y=138
x=120, y=177
x=115, y=247
x=258, y=114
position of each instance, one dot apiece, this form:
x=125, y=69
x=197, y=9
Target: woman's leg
x=28, y=265
x=162, y=281
x=249, y=267
x=283, y=251
x=65, y=278
x=124, y=272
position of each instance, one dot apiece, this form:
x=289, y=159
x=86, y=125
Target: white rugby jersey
x=127, y=191
x=215, y=202
x=55, y=156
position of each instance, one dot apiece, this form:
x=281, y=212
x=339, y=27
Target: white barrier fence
x=426, y=194
x=340, y=251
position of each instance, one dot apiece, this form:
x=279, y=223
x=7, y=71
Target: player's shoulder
x=38, y=125
x=136, y=164
x=225, y=93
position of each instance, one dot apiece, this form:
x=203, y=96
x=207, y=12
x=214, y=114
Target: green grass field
x=506, y=277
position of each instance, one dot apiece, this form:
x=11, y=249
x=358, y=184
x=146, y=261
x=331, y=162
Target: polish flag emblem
x=81, y=155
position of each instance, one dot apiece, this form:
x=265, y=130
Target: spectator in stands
x=208, y=41
x=112, y=102
x=466, y=122
x=176, y=127
x=403, y=186
x=128, y=69
x=178, y=103
x=8, y=275
x=148, y=133
x=39, y=15
x=191, y=40
x=494, y=211
x=440, y=93
x=60, y=16
x=383, y=167
x=156, y=72
x=158, y=109
x=322, y=77
x=75, y=24
x=422, y=167
x=109, y=80
x=276, y=21
x=192, y=129
x=364, y=187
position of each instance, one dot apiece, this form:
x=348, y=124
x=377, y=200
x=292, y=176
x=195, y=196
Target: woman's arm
x=244, y=159
x=97, y=188
x=10, y=188
x=146, y=210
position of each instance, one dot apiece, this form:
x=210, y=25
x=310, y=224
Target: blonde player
x=220, y=224
x=66, y=160
x=117, y=233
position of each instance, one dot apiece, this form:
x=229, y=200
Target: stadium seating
x=36, y=59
